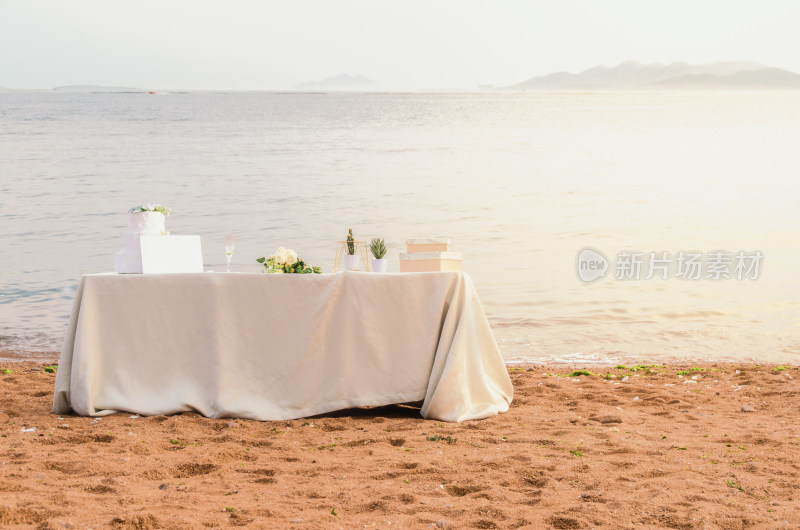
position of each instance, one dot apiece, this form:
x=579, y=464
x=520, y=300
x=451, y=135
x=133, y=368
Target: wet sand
x=716, y=447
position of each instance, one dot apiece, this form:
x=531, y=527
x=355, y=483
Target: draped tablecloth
x=280, y=346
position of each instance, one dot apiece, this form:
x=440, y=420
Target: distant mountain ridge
x=339, y=82
x=637, y=76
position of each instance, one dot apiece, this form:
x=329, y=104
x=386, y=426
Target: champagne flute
x=230, y=246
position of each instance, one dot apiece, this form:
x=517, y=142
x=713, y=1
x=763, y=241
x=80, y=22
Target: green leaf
x=378, y=248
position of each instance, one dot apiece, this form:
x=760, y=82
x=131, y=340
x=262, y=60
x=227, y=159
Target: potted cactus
x=350, y=258
x=378, y=249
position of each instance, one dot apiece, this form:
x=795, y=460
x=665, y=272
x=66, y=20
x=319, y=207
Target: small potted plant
x=378, y=249
x=350, y=258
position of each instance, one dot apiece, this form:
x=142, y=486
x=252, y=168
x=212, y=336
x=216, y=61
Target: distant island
x=96, y=89
x=628, y=75
x=341, y=82
x=631, y=75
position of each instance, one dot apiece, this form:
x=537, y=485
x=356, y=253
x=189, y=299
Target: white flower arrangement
x=284, y=256
x=285, y=261
x=160, y=208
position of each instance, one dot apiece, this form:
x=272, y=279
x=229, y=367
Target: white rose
x=291, y=257
x=280, y=256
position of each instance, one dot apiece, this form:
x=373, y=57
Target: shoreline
x=681, y=446
x=570, y=359
x=18, y=356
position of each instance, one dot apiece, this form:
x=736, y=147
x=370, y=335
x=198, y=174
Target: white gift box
x=171, y=254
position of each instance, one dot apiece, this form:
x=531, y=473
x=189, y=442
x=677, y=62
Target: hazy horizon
x=410, y=46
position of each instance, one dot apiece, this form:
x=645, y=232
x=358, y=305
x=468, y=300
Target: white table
x=276, y=347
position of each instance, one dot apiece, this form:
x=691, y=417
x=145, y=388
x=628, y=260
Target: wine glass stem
x=229, y=263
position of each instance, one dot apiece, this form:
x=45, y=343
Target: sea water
x=520, y=182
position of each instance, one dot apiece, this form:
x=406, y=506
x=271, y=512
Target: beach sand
x=654, y=451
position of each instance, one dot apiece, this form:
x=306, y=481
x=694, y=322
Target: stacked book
x=429, y=255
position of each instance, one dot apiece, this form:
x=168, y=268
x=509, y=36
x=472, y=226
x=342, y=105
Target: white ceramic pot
x=350, y=262
x=379, y=265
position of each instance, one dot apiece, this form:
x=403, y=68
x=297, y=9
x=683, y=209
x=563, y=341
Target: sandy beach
x=677, y=446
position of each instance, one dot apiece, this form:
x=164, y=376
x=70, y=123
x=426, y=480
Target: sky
x=400, y=44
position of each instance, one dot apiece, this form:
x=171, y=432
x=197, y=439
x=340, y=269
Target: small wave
x=542, y=323
x=8, y=296
x=24, y=344
x=692, y=314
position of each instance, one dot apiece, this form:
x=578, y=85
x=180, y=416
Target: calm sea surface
x=519, y=182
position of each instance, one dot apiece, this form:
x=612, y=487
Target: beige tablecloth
x=276, y=347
